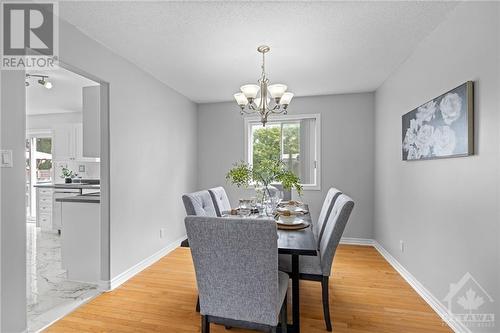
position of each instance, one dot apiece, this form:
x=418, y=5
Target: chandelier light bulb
x=250, y=90
x=277, y=90
x=286, y=98
x=241, y=99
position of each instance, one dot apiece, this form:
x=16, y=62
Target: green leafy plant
x=267, y=172
x=67, y=173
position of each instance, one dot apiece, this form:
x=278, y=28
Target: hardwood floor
x=367, y=295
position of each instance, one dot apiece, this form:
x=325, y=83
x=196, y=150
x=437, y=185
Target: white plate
x=290, y=222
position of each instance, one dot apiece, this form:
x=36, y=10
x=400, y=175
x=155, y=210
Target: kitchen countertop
x=69, y=186
x=84, y=198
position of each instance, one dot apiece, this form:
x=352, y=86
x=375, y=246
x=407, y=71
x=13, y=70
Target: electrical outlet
x=162, y=232
x=402, y=246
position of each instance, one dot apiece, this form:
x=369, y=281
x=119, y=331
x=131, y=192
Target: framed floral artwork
x=441, y=128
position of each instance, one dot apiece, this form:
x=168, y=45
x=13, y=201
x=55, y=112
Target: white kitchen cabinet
x=91, y=122
x=81, y=241
x=44, y=199
x=48, y=210
x=68, y=143
x=79, y=141
x=65, y=142
x=56, y=206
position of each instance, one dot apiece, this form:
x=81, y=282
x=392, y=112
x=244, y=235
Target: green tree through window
x=268, y=142
x=44, y=145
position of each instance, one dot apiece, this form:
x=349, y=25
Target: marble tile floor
x=50, y=295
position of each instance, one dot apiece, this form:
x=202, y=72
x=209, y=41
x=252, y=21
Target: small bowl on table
x=288, y=219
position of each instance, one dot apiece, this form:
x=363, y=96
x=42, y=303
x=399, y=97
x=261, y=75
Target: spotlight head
x=44, y=83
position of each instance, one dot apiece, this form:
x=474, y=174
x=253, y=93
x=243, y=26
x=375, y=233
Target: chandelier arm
x=280, y=111
x=243, y=112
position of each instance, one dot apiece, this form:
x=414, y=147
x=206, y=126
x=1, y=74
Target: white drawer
x=45, y=221
x=45, y=199
x=45, y=207
x=45, y=191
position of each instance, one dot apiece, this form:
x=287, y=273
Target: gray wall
x=153, y=150
x=13, y=220
x=446, y=211
x=347, y=145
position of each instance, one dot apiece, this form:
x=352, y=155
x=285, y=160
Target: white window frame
x=285, y=118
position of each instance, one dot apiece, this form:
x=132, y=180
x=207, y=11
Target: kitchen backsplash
x=82, y=169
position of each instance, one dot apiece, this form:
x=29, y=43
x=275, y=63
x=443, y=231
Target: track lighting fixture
x=42, y=80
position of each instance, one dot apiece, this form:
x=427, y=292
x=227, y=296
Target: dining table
x=295, y=243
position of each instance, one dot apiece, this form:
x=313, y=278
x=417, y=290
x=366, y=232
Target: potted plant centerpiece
x=262, y=177
x=67, y=175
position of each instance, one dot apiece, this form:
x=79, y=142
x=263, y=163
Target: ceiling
x=206, y=50
x=65, y=95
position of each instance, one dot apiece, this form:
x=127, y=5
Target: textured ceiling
x=206, y=50
x=65, y=95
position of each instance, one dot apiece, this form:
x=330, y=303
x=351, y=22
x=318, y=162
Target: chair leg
x=205, y=325
x=284, y=316
x=326, y=303
x=198, y=304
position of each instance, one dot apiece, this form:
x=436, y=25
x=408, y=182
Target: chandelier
x=256, y=98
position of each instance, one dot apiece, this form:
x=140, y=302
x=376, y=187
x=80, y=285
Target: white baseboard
x=426, y=295
x=357, y=241
x=129, y=273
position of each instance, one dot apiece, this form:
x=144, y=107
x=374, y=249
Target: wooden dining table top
x=300, y=242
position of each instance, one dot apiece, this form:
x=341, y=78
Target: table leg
x=295, y=294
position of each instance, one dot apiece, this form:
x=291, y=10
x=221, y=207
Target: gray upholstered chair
x=220, y=200
x=199, y=204
x=318, y=268
x=319, y=226
x=236, y=265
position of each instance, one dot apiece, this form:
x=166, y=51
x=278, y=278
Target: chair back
x=199, y=204
x=220, y=199
x=334, y=229
x=331, y=197
x=236, y=264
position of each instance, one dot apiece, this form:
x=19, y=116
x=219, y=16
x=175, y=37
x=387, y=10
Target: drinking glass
x=245, y=207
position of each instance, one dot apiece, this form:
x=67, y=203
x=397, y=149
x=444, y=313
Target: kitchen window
x=295, y=139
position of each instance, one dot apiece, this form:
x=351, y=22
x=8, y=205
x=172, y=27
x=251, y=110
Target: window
x=292, y=138
x=38, y=165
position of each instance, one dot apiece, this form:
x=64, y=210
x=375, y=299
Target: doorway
x=61, y=163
